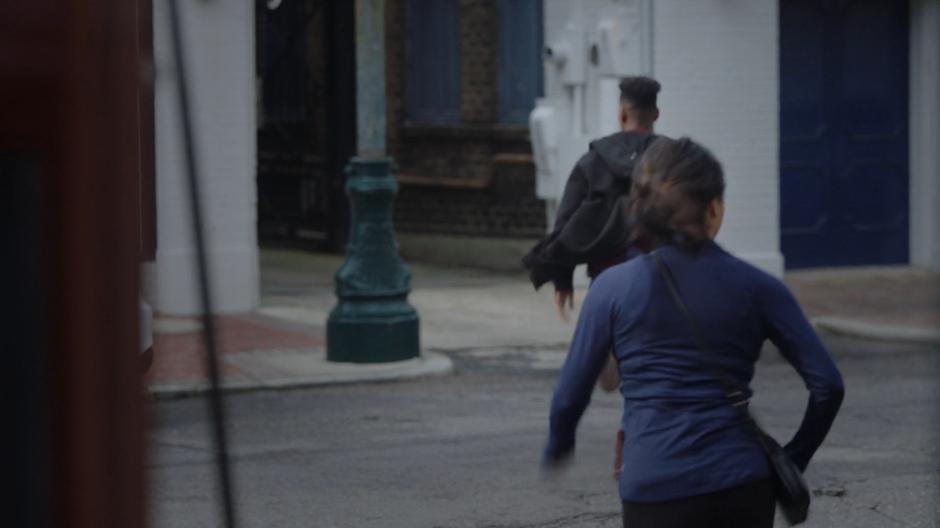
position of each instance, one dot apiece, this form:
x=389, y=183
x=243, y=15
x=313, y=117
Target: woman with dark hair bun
x=678, y=192
x=691, y=456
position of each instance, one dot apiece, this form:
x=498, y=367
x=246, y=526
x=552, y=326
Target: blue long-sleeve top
x=682, y=436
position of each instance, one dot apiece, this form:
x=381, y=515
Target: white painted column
x=925, y=133
x=219, y=44
x=717, y=62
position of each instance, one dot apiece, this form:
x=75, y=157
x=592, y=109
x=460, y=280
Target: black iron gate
x=306, y=120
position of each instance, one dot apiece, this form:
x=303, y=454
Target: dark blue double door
x=843, y=132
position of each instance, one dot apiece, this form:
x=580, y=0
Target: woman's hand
x=555, y=463
x=564, y=301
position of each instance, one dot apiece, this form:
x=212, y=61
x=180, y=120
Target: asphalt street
x=463, y=450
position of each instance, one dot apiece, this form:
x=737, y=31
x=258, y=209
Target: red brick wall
x=470, y=178
x=478, y=61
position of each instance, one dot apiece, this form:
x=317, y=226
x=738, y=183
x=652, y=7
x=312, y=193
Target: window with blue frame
x=520, y=58
x=433, y=83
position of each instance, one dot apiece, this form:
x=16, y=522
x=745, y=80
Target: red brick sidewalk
x=905, y=297
x=180, y=357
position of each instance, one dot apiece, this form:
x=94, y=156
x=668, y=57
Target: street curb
x=429, y=364
x=877, y=332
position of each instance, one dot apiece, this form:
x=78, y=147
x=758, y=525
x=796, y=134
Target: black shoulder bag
x=790, y=488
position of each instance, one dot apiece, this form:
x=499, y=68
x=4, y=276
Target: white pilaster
x=219, y=44
x=925, y=133
x=718, y=65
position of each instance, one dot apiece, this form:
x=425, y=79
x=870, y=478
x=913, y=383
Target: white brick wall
x=219, y=40
x=717, y=62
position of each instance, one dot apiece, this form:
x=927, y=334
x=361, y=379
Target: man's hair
x=640, y=91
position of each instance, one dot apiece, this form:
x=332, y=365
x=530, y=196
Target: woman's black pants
x=748, y=506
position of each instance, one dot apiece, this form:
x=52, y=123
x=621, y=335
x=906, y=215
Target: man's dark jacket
x=591, y=224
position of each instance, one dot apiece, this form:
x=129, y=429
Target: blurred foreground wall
x=71, y=180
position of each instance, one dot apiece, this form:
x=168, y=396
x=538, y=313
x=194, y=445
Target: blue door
x=843, y=132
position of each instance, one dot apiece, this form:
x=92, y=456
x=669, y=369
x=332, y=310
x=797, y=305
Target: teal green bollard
x=372, y=321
